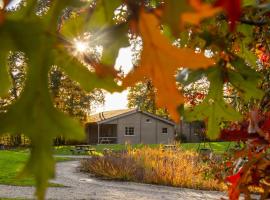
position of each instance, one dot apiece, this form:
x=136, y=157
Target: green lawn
x=218, y=147
x=65, y=150
x=12, y=162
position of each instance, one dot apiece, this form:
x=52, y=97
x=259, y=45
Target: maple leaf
x=202, y=11
x=160, y=61
x=234, y=191
x=233, y=9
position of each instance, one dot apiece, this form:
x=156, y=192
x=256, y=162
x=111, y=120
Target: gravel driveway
x=81, y=186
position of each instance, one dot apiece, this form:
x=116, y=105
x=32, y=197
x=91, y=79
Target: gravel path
x=81, y=186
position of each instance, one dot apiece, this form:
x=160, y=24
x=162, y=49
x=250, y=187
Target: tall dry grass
x=155, y=166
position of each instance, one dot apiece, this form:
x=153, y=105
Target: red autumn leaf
x=233, y=190
x=233, y=10
x=229, y=164
x=234, y=135
x=266, y=125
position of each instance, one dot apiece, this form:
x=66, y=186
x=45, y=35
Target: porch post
x=98, y=132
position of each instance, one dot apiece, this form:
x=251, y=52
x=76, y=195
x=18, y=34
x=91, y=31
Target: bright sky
x=117, y=100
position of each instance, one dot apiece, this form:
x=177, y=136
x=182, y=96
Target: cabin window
x=129, y=131
x=165, y=130
x=148, y=120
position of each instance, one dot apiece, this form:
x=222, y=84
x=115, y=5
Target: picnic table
x=83, y=149
x=169, y=147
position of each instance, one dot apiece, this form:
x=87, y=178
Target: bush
x=155, y=166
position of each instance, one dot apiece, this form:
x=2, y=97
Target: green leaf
x=74, y=26
x=95, y=22
x=213, y=109
x=246, y=39
x=249, y=57
x=103, y=29
x=103, y=14
x=247, y=31
x=116, y=38
x=249, y=3
x=33, y=114
x=185, y=77
x=5, y=82
x=171, y=14
x=87, y=80
x=245, y=79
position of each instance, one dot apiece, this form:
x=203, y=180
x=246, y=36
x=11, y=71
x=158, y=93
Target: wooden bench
x=83, y=149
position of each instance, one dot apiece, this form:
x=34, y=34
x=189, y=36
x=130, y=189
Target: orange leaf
x=160, y=61
x=202, y=11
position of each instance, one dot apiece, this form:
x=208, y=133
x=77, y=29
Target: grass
x=155, y=166
x=218, y=147
x=65, y=150
x=11, y=163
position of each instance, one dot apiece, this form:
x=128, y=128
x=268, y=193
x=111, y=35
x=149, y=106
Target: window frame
x=128, y=130
x=148, y=120
x=164, y=128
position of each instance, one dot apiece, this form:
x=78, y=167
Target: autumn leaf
x=160, y=61
x=201, y=11
x=234, y=180
x=233, y=9
x=2, y=10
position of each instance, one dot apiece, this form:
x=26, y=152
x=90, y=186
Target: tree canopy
x=223, y=41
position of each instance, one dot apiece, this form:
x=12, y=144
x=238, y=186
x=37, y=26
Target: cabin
x=129, y=126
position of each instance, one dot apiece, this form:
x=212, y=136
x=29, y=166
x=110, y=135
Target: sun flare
x=80, y=46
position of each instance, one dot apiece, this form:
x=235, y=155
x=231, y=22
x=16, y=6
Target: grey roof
x=108, y=116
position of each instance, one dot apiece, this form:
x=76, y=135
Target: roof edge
x=135, y=111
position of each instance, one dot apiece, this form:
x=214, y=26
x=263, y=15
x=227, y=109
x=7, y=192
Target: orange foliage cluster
x=160, y=61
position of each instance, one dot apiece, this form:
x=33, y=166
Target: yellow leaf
x=202, y=11
x=160, y=61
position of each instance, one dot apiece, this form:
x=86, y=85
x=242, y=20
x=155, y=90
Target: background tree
x=143, y=97
x=70, y=98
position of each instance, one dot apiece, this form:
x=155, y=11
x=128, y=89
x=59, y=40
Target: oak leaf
x=160, y=61
x=201, y=11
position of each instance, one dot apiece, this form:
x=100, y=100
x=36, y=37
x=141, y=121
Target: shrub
x=156, y=166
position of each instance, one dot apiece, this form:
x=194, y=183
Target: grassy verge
x=11, y=163
x=217, y=147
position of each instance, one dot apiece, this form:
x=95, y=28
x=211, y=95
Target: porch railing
x=107, y=140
